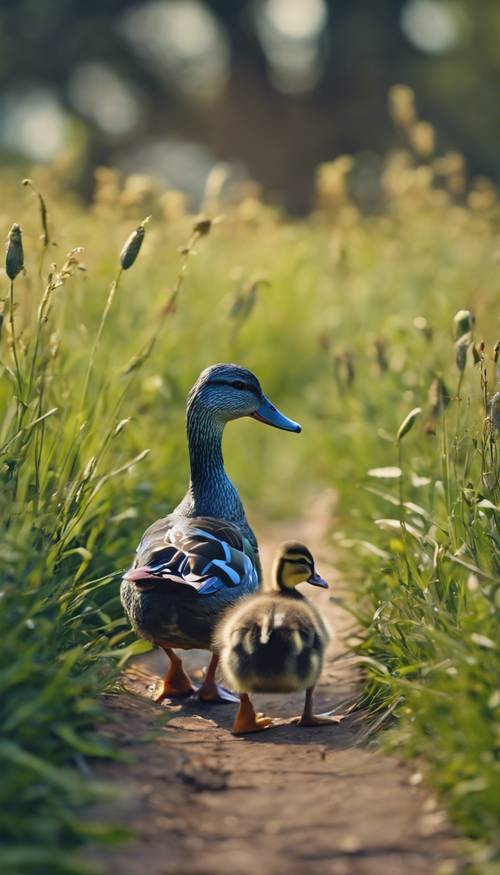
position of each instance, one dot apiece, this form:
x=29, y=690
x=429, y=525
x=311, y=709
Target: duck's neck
x=211, y=492
x=279, y=587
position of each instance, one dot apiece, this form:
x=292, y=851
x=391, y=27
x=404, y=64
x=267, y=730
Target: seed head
x=133, y=245
x=461, y=353
x=14, y=254
x=439, y=396
x=421, y=324
x=496, y=351
x=381, y=355
x=202, y=226
x=476, y=354
x=45, y=237
x=408, y=423
x=464, y=323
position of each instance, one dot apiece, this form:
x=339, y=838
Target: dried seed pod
x=476, y=354
x=464, y=323
x=344, y=368
x=121, y=425
x=495, y=411
x=421, y=324
x=439, y=397
x=14, y=254
x=408, y=423
x=44, y=216
x=324, y=341
x=349, y=367
x=381, y=355
x=202, y=226
x=54, y=344
x=133, y=245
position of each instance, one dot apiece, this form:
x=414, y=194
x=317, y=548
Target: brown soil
x=287, y=800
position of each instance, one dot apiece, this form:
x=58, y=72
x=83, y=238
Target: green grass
x=353, y=327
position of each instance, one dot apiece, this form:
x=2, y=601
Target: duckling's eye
x=238, y=384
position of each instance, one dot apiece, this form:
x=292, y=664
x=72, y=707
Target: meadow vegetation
x=348, y=319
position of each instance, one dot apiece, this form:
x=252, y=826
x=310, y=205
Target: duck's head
x=294, y=564
x=230, y=392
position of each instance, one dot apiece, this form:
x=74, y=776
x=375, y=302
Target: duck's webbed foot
x=248, y=720
x=212, y=692
x=176, y=683
x=216, y=693
x=307, y=718
x=316, y=720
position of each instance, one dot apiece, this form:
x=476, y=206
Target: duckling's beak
x=317, y=580
x=268, y=413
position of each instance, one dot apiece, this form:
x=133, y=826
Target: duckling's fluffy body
x=272, y=643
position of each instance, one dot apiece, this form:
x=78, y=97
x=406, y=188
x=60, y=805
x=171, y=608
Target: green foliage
x=351, y=329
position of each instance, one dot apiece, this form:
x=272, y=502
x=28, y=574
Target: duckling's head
x=293, y=564
x=228, y=392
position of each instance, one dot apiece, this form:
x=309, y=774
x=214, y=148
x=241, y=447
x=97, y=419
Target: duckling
x=275, y=642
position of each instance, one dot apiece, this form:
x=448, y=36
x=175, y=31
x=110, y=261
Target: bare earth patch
x=288, y=800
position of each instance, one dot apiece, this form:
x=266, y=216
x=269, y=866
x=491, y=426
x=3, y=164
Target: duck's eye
x=238, y=384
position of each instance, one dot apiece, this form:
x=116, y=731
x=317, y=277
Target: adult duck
x=195, y=563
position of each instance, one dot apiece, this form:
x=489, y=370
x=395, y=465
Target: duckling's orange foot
x=256, y=724
x=316, y=720
x=212, y=692
x=248, y=720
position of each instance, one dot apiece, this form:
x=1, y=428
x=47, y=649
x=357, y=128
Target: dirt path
x=288, y=800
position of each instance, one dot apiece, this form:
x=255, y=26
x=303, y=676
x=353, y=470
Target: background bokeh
x=267, y=88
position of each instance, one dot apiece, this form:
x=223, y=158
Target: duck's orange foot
x=175, y=685
x=167, y=691
x=213, y=693
x=248, y=720
x=317, y=720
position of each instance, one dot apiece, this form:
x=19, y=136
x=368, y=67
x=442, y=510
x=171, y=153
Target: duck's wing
x=201, y=554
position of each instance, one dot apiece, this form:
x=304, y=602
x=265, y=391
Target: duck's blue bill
x=317, y=580
x=268, y=413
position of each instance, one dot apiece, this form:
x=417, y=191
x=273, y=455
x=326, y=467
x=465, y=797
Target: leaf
x=388, y=473
x=80, y=551
x=415, y=508
x=408, y=423
x=374, y=663
x=62, y=778
x=384, y=495
x=487, y=505
x=395, y=525
x=417, y=481
x=471, y=567
x=483, y=640
x=96, y=747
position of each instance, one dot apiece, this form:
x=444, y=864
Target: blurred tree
x=278, y=85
